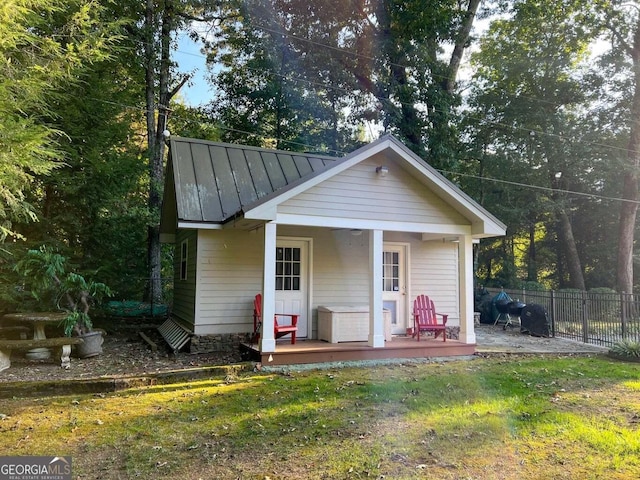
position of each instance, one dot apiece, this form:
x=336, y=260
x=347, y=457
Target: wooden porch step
x=311, y=351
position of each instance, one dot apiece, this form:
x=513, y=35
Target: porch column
x=376, y=322
x=267, y=337
x=465, y=265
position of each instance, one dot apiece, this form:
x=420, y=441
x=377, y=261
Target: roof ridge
x=240, y=146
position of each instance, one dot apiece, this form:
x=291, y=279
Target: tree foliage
x=44, y=48
x=85, y=100
x=297, y=73
x=528, y=88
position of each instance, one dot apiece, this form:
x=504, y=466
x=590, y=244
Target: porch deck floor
x=317, y=351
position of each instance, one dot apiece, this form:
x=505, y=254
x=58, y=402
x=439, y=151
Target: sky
x=191, y=60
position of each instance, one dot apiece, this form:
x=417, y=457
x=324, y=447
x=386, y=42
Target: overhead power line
x=476, y=118
x=317, y=148
x=538, y=187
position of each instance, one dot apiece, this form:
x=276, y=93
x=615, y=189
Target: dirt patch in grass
x=125, y=353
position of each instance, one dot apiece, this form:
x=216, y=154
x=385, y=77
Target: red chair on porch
x=425, y=318
x=278, y=330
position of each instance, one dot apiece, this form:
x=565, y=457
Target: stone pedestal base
x=38, y=354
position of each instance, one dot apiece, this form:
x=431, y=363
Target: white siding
x=360, y=193
x=341, y=269
x=433, y=271
x=229, y=276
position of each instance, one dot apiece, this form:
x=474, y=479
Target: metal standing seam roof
x=216, y=181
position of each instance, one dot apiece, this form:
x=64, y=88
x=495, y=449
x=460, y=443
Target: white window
x=287, y=268
x=390, y=271
x=184, y=255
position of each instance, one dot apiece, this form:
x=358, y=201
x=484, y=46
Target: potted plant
x=45, y=272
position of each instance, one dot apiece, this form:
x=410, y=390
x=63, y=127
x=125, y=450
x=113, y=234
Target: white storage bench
x=348, y=323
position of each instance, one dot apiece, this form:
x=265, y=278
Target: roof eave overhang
x=200, y=225
x=483, y=223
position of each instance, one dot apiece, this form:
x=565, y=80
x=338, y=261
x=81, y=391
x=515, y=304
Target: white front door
x=394, y=285
x=292, y=258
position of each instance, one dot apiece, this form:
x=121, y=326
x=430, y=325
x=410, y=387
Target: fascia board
x=200, y=225
x=487, y=229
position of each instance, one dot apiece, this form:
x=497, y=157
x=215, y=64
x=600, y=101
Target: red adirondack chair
x=425, y=318
x=278, y=330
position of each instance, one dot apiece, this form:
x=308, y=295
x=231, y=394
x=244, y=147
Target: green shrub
x=46, y=276
x=606, y=290
x=533, y=286
x=626, y=348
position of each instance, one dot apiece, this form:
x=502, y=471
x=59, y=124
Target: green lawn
x=536, y=417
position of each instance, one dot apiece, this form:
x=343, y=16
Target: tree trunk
x=280, y=95
x=400, y=96
x=629, y=208
x=409, y=125
x=156, y=125
x=462, y=41
x=568, y=244
x=564, y=228
x=532, y=264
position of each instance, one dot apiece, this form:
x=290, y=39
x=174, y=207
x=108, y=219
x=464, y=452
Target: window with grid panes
x=287, y=268
x=390, y=271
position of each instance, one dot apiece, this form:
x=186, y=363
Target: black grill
x=535, y=321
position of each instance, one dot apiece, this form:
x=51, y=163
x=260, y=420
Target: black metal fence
x=589, y=317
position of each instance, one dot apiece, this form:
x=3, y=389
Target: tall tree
x=271, y=90
x=528, y=79
x=373, y=61
x=159, y=25
x=162, y=20
x=90, y=207
x=36, y=62
x=623, y=25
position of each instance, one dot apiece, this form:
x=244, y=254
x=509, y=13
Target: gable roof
x=390, y=148
x=217, y=182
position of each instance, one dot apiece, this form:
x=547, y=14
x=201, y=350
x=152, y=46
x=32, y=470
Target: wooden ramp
x=174, y=334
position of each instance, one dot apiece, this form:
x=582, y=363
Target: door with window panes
x=394, y=285
x=291, y=281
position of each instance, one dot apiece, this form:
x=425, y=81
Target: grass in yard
x=513, y=418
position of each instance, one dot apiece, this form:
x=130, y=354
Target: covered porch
x=364, y=265
x=318, y=351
